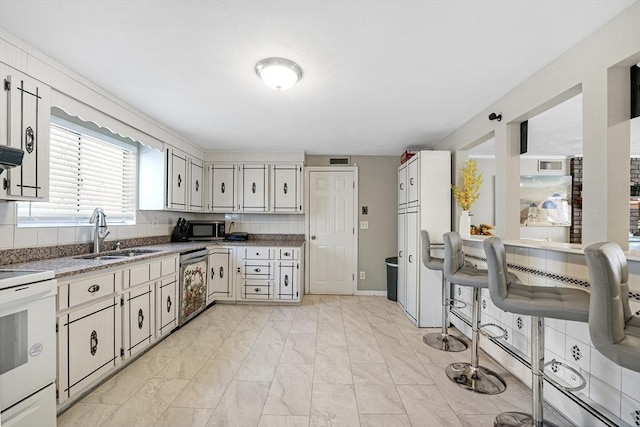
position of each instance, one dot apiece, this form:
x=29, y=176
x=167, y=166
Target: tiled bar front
x=612, y=393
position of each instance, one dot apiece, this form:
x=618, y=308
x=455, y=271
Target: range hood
x=10, y=157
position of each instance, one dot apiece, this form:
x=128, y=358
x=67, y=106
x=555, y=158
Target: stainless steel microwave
x=205, y=230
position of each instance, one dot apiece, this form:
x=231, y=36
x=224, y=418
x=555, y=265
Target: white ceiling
x=379, y=76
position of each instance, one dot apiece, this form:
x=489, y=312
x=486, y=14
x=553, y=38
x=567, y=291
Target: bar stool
x=614, y=331
x=440, y=340
x=471, y=376
x=538, y=302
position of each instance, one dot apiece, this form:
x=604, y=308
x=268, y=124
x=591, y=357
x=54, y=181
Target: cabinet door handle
x=253, y=188
x=213, y=272
x=286, y=280
x=400, y=254
x=179, y=180
x=411, y=181
x=93, y=288
x=221, y=272
x=93, y=343
x=140, y=318
x=29, y=137
x=285, y=189
x=313, y=237
x=410, y=258
x=197, y=185
x=287, y=254
x=402, y=186
x=169, y=304
x=222, y=188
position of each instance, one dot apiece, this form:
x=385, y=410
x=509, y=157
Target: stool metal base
x=519, y=419
x=479, y=380
x=444, y=342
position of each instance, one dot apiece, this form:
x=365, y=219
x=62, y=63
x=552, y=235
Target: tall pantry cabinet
x=424, y=203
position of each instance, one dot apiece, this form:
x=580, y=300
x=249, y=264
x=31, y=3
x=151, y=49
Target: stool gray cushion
x=614, y=331
x=509, y=294
x=455, y=270
x=430, y=262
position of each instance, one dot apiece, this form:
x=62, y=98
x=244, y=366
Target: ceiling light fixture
x=279, y=73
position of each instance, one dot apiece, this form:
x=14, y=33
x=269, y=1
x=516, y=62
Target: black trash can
x=392, y=278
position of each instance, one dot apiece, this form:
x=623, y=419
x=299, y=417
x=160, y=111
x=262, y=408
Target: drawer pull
x=93, y=343
x=169, y=304
x=287, y=254
x=221, y=272
x=257, y=270
x=213, y=273
x=257, y=290
x=140, y=319
x=286, y=280
x=94, y=288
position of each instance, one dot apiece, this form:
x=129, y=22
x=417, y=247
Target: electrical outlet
x=362, y=275
x=364, y=225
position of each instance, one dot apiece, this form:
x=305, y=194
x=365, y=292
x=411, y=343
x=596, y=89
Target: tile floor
x=333, y=361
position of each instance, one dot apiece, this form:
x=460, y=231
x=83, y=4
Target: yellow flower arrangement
x=471, y=182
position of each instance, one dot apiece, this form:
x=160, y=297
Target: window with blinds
x=88, y=170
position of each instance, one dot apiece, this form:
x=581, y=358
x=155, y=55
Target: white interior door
x=332, y=238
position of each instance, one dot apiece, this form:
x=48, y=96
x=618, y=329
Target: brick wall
x=575, y=232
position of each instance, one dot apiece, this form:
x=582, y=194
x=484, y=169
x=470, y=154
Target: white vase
x=464, y=227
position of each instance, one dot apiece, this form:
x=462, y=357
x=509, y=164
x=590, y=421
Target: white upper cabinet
x=177, y=176
x=196, y=175
x=413, y=178
x=25, y=111
x=286, y=188
x=253, y=188
x=402, y=186
x=170, y=179
x=222, y=179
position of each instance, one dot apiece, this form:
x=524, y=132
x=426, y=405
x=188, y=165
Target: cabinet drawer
x=257, y=270
x=92, y=349
x=288, y=253
x=258, y=253
x=91, y=289
x=168, y=266
x=257, y=289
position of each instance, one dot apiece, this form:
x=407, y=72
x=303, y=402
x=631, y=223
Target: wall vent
x=340, y=161
x=550, y=165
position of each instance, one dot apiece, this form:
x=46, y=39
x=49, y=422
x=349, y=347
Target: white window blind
x=87, y=171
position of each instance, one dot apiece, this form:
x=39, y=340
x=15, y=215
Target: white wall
x=596, y=66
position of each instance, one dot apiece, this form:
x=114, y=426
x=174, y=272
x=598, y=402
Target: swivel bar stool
x=614, y=331
x=471, y=376
x=539, y=302
x=440, y=340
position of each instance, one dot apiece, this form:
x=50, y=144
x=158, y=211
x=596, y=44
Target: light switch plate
x=364, y=225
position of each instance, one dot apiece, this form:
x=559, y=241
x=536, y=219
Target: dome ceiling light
x=279, y=73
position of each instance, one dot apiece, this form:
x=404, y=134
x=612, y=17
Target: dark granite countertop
x=72, y=265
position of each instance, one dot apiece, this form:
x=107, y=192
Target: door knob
x=313, y=237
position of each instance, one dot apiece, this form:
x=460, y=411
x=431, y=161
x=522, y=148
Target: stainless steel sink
x=111, y=255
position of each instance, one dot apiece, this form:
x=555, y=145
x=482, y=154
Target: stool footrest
x=551, y=379
x=503, y=335
x=453, y=301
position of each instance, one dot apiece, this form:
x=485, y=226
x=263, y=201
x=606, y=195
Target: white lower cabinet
x=89, y=346
x=271, y=274
x=104, y=319
x=220, y=280
x=138, y=322
x=166, y=302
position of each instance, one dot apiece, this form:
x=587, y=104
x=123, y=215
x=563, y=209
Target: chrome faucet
x=100, y=219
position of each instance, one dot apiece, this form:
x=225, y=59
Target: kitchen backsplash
x=148, y=224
